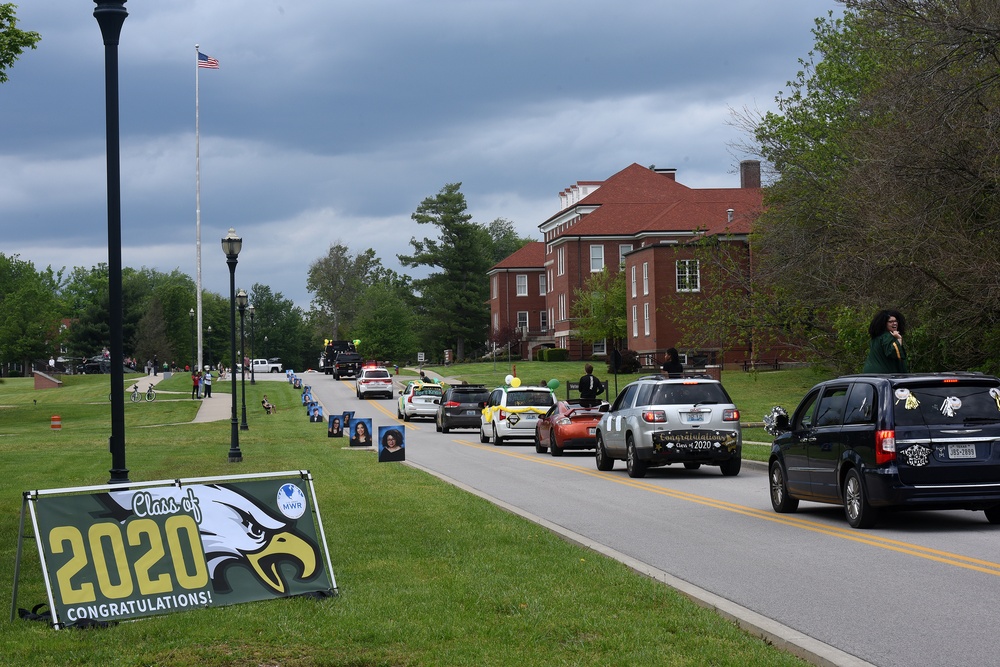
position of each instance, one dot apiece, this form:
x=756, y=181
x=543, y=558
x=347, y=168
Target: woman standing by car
x=886, y=353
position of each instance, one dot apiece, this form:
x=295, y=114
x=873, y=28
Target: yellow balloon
x=515, y=382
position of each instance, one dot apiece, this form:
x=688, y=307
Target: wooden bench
x=761, y=365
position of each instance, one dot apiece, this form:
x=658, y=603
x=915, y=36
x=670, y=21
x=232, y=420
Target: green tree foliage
x=13, y=41
x=151, y=338
x=385, y=324
x=453, y=298
x=599, y=308
x=503, y=240
x=284, y=324
x=29, y=312
x=336, y=281
x=886, y=162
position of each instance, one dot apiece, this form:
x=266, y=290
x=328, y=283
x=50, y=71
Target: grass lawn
x=428, y=574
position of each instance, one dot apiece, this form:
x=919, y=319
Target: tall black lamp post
x=231, y=245
x=194, y=350
x=110, y=15
x=250, y=310
x=241, y=302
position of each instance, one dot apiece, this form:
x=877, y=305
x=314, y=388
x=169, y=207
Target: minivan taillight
x=654, y=416
x=885, y=447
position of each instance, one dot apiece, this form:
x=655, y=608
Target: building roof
x=639, y=200
x=531, y=256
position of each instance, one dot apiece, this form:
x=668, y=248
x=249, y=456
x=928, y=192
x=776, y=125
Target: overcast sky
x=331, y=121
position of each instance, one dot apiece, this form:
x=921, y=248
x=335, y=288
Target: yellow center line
x=927, y=553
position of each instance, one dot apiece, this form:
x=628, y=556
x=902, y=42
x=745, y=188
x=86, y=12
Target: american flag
x=207, y=61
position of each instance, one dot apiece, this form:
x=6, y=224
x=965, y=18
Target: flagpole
x=197, y=202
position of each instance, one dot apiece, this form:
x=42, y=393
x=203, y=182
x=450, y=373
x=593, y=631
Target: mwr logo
x=291, y=501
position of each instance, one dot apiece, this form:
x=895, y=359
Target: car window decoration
x=911, y=402
x=951, y=405
x=995, y=393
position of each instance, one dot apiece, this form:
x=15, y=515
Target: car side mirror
x=782, y=423
x=605, y=407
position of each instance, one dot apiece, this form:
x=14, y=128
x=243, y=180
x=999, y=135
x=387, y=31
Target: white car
x=418, y=399
x=512, y=412
x=374, y=380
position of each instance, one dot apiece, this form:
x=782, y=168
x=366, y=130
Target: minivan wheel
x=604, y=462
x=780, y=500
x=635, y=467
x=497, y=440
x=482, y=434
x=859, y=513
x=993, y=514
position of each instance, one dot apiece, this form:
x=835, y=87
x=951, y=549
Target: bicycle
x=136, y=396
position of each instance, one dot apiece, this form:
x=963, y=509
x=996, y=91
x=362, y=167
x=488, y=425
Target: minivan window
x=804, y=414
x=831, y=407
x=860, y=404
x=946, y=403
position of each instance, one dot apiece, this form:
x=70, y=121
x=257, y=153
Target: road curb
x=778, y=634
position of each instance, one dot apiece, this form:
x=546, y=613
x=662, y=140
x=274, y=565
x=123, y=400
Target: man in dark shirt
x=590, y=386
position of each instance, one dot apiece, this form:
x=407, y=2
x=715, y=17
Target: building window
x=541, y=285
x=633, y=282
x=688, y=276
x=522, y=319
x=522, y=284
x=596, y=258
x=601, y=347
x=622, y=249
x=635, y=321
x=543, y=321
x=645, y=278
x=495, y=286
x=562, y=306
x=496, y=321
x=645, y=318
x=560, y=260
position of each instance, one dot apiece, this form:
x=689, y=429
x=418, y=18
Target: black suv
x=891, y=441
x=460, y=407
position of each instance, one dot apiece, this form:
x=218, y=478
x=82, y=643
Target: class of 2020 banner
x=151, y=550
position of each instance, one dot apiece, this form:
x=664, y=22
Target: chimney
x=730, y=214
x=750, y=174
x=669, y=172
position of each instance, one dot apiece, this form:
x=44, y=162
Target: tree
x=29, y=312
x=13, y=41
x=453, y=299
x=385, y=324
x=886, y=165
x=503, y=240
x=284, y=325
x=151, y=338
x=599, y=308
x=336, y=282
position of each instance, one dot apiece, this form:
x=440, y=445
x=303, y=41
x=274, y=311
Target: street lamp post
x=252, y=379
x=241, y=302
x=110, y=15
x=231, y=245
x=194, y=350
x=208, y=341
x=265, y=346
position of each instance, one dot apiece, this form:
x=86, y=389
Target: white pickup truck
x=265, y=366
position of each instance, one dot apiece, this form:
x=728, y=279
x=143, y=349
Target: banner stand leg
x=17, y=558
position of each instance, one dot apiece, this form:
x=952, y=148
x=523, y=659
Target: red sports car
x=568, y=425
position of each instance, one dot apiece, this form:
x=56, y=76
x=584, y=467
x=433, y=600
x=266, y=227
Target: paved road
x=915, y=591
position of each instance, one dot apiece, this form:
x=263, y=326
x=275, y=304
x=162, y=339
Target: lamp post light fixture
x=250, y=310
x=231, y=245
x=110, y=15
x=241, y=303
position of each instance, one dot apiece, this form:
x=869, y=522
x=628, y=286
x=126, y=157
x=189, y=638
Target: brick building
x=641, y=221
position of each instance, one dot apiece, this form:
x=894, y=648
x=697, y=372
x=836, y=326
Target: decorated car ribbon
x=904, y=394
x=950, y=406
x=771, y=419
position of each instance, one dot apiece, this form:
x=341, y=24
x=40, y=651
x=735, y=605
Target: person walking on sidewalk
x=208, y=382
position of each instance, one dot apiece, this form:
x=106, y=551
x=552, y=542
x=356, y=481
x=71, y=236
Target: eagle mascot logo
x=235, y=530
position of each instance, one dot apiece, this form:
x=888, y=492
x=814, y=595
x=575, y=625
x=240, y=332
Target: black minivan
x=909, y=441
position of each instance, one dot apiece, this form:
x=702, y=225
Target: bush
x=555, y=354
x=630, y=362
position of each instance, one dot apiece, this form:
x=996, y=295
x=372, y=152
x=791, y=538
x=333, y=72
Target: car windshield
x=538, y=399
x=689, y=393
x=946, y=403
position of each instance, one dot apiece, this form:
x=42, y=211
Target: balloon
x=508, y=379
x=357, y=341
x=553, y=384
x=516, y=382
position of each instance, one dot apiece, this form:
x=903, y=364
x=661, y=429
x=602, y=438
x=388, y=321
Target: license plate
x=695, y=417
x=530, y=415
x=961, y=451
x=472, y=412
x=591, y=431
